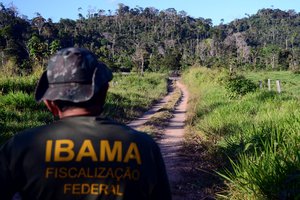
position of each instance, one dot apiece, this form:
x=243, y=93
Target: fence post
x=278, y=86
x=269, y=84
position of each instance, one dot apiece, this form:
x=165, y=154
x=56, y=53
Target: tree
x=39, y=22
x=139, y=57
x=13, y=33
x=37, y=49
x=150, y=39
x=54, y=46
x=172, y=60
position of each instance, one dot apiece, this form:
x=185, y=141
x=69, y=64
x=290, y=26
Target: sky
x=228, y=10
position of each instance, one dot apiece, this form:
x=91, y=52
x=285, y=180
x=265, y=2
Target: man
x=80, y=156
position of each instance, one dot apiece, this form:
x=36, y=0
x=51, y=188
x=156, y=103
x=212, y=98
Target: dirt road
x=171, y=141
x=171, y=144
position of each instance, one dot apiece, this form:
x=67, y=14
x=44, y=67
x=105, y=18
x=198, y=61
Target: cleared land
x=251, y=136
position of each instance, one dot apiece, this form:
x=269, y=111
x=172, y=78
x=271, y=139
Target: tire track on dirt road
x=171, y=144
x=172, y=139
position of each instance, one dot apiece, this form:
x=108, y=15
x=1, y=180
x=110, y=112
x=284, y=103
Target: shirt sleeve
x=161, y=190
x=6, y=183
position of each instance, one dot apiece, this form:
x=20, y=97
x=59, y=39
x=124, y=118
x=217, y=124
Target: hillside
x=141, y=39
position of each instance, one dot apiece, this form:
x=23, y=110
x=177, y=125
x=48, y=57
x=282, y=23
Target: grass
x=19, y=111
x=17, y=83
x=289, y=80
x=131, y=95
x=257, y=134
x=128, y=97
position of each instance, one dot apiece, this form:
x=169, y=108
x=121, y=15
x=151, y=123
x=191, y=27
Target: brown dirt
x=171, y=144
x=190, y=165
x=147, y=115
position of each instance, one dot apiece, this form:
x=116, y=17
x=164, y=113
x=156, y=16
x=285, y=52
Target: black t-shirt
x=82, y=158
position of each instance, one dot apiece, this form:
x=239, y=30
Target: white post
x=278, y=86
x=269, y=84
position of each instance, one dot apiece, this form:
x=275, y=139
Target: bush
x=238, y=85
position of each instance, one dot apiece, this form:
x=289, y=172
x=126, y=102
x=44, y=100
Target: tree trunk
x=273, y=61
x=142, y=67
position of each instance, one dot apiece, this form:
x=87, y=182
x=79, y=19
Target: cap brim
x=41, y=87
x=102, y=75
x=73, y=92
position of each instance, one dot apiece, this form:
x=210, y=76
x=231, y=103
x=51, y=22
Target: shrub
x=238, y=85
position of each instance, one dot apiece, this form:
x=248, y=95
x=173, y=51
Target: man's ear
x=52, y=107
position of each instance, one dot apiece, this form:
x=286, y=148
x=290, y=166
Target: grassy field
x=257, y=133
x=128, y=97
x=289, y=81
x=131, y=95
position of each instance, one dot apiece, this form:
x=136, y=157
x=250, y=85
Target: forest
x=147, y=39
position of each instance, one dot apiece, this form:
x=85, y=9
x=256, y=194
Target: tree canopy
x=140, y=39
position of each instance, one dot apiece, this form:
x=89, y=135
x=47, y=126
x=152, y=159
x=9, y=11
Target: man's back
x=83, y=158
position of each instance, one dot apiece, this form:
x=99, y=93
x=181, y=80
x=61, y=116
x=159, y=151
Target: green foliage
x=19, y=111
x=289, y=81
x=54, y=46
x=19, y=101
x=9, y=68
x=238, y=85
x=131, y=95
x=156, y=40
x=13, y=33
x=172, y=61
x=15, y=84
x=271, y=171
x=37, y=49
x=258, y=132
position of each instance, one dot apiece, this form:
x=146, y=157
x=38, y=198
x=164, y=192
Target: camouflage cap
x=73, y=74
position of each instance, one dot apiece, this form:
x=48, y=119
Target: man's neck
x=79, y=112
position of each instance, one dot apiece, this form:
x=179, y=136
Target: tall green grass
x=19, y=111
x=18, y=83
x=259, y=134
x=129, y=96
